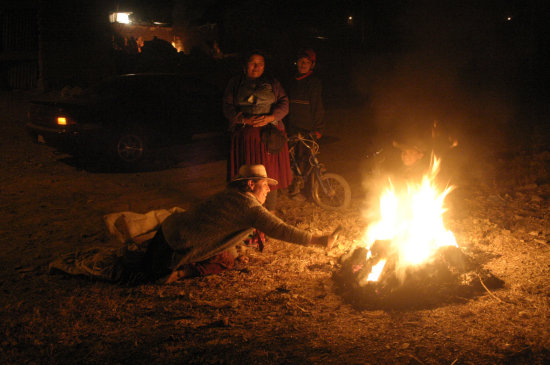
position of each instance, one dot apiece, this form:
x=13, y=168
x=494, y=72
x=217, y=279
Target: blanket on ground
x=133, y=230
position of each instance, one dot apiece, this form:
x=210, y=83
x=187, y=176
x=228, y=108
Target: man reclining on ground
x=201, y=240
x=196, y=242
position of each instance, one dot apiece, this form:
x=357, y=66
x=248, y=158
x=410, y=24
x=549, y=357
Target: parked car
x=128, y=116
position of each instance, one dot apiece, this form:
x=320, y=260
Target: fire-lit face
x=304, y=65
x=255, y=66
x=260, y=189
x=409, y=156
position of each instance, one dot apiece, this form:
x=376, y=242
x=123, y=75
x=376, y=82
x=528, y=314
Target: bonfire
x=410, y=224
x=407, y=256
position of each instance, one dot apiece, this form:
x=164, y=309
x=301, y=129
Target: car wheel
x=130, y=148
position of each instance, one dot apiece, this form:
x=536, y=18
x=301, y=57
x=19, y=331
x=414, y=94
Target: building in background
x=19, y=45
x=50, y=44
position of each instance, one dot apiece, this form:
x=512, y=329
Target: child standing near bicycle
x=306, y=114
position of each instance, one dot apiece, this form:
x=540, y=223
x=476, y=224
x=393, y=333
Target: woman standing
x=251, y=102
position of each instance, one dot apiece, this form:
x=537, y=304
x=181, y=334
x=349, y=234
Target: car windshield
x=124, y=86
x=111, y=88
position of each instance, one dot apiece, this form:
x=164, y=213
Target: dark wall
x=18, y=46
x=75, y=44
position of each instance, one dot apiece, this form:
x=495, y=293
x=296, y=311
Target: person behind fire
x=414, y=141
x=201, y=240
x=251, y=101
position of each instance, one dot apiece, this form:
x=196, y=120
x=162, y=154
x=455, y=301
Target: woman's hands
x=254, y=121
x=258, y=120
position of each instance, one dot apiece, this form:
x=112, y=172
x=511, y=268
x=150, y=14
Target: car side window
x=194, y=87
x=112, y=89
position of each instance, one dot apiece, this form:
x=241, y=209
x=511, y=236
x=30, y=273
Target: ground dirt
x=282, y=307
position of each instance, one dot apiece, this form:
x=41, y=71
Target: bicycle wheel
x=337, y=194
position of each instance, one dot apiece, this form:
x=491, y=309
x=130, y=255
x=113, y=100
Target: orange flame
x=376, y=270
x=413, y=221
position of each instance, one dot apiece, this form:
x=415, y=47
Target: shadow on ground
x=200, y=151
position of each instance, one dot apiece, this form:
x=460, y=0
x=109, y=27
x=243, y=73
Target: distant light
x=123, y=18
x=508, y=18
x=61, y=121
x=350, y=18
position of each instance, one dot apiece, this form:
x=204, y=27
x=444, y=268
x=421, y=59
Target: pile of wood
x=451, y=276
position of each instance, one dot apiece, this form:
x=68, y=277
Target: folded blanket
x=134, y=227
x=130, y=228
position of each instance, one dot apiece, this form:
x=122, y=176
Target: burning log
x=450, y=277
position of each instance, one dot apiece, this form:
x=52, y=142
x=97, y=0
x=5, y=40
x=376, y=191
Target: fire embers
x=451, y=276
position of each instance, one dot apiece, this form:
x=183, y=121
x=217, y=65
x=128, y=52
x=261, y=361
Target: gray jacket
x=211, y=227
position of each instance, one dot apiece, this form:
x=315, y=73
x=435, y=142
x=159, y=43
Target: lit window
x=123, y=18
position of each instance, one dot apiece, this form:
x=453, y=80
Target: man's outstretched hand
x=326, y=241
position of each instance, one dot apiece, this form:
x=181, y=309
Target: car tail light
x=64, y=121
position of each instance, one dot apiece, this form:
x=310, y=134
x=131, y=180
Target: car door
x=199, y=106
x=134, y=102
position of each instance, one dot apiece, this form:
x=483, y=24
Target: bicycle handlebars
x=310, y=143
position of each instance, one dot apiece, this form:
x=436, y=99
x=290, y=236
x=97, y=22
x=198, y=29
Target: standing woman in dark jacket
x=251, y=101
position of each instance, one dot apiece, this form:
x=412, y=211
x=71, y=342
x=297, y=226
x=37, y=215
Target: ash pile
x=451, y=276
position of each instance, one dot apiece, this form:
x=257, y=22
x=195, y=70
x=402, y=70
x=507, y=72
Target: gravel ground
x=283, y=307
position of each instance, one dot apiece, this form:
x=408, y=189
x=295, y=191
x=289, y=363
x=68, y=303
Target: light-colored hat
x=254, y=172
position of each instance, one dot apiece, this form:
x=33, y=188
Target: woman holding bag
x=254, y=103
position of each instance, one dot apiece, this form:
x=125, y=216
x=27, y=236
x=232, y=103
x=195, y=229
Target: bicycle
x=328, y=190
